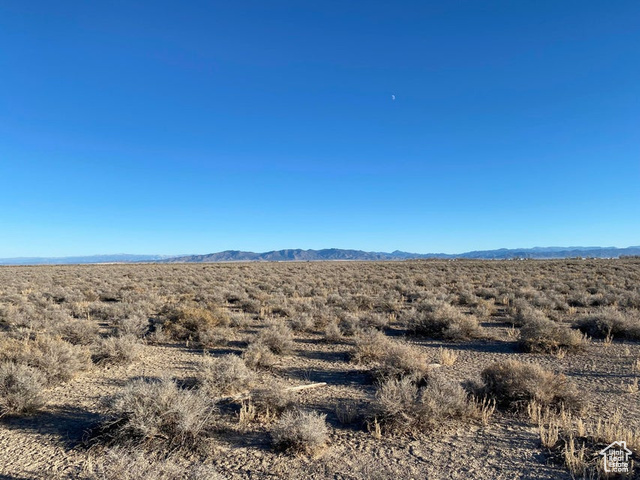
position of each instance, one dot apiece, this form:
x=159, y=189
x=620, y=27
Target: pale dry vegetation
x=285, y=370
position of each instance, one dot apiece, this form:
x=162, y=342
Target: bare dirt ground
x=55, y=440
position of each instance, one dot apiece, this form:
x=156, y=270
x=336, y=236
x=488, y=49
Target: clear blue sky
x=194, y=127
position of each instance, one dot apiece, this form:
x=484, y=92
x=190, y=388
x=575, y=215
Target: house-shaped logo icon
x=616, y=457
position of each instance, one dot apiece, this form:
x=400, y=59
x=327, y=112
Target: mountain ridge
x=332, y=254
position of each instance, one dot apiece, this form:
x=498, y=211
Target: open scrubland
x=345, y=370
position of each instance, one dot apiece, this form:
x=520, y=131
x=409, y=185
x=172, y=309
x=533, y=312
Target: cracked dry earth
x=50, y=443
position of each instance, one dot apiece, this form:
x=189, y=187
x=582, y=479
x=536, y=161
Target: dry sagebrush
x=300, y=432
x=156, y=411
x=515, y=384
x=21, y=389
x=225, y=375
x=404, y=405
x=442, y=320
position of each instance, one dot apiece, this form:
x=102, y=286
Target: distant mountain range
x=340, y=254
x=116, y=258
x=333, y=254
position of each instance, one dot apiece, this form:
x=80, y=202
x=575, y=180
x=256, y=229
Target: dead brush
x=300, y=432
x=247, y=413
x=610, y=323
x=21, y=389
x=154, y=412
x=347, y=412
x=389, y=358
x=276, y=336
x=58, y=360
x=225, y=375
x=271, y=398
x=117, y=350
x=447, y=356
x=546, y=336
x=192, y=323
x=576, y=444
x=442, y=320
x=403, y=405
x=258, y=356
x=632, y=387
x=514, y=384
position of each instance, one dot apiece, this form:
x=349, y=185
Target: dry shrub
x=215, y=337
x=349, y=324
x=58, y=360
x=21, y=389
x=371, y=346
x=332, y=332
x=610, y=322
x=148, y=411
x=193, y=323
x=117, y=350
x=523, y=313
x=239, y=320
x=447, y=356
x=576, y=443
x=119, y=464
x=514, y=384
x=225, y=375
x=444, y=321
x=374, y=320
x=271, y=398
x=546, y=336
x=300, y=432
x=302, y=322
x=278, y=337
x=136, y=325
x=79, y=332
x=259, y=356
x=389, y=358
x=347, y=412
x=402, y=404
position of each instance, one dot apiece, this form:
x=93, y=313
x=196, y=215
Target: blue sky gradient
x=193, y=127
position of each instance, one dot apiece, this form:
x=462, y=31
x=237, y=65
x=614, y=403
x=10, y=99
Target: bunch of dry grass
x=332, y=332
x=148, y=411
x=576, y=443
x=277, y=336
x=21, y=389
x=258, y=356
x=546, y=336
x=612, y=323
x=136, y=325
x=58, y=360
x=443, y=320
x=447, y=356
x=120, y=350
x=302, y=322
x=404, y=405
x=225, y=375
x=389, y=358
x=515, y=384
x=271, y=398
x=300, y=432
x=79, y=332
x=193, y=323
x=375, y=320
x=523, y=313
